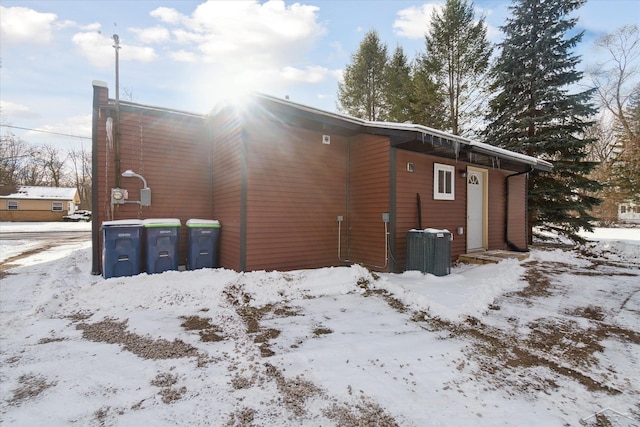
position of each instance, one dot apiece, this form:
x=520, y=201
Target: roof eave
x=397, y=129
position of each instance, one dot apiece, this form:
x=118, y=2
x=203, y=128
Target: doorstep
x=491, y=257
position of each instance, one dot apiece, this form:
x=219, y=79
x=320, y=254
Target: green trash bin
x=203, y=243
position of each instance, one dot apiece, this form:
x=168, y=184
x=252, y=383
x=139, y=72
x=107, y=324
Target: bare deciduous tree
x=53, y=162
x=14, y=153
x=616, y=78
x=80, y=161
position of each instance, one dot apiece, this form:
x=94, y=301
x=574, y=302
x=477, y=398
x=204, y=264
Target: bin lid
x=161, y=222
x=122, y=223
x=203, y=223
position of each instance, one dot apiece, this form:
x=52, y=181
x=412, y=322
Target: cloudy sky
x=187, y=55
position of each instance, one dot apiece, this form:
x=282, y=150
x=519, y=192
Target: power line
x=45, y=131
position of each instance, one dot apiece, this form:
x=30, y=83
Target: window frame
x=57, y=206
x=13, y=205
x=446, y=170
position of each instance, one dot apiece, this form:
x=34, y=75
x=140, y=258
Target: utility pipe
x=116, y=45
x=509, y=243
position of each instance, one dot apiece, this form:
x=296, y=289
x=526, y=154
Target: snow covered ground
x=549, y=341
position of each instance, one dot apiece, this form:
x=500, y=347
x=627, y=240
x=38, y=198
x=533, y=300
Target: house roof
x=45, y=193
x=407, y=136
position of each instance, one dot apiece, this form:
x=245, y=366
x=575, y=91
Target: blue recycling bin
x=203, y=243
x=121, y=248
x=161, y=244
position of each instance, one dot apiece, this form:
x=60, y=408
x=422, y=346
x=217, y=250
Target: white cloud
x=243, y=32
x=13, y=110
x=244, y=46
x=20, y=25
x=156, y=34
x=183, y=56
x=413, y=22
x=73, y=24
x=339, y=75
x=168, y=15
x=98, y=49
x=309, y=75
x=76, y=125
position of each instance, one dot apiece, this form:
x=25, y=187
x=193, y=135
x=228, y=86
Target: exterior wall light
x=145, y=191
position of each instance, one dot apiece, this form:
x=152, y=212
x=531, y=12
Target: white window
x=56, y=206
x=443, y=183
x=12, y=205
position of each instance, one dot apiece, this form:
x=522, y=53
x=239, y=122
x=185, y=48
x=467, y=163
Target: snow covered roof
x=32, y=192
x=424, y=131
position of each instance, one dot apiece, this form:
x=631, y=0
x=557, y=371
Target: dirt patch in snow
x=365, y=413
x=207, y=331
x=166, y=383
x=113, y=332
x=562, y=342
x=31, y=386
x=8, y=263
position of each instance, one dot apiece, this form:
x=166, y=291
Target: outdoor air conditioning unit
x=429, y=251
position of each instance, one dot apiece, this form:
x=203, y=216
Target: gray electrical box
x=145, y=197
x=118, y=196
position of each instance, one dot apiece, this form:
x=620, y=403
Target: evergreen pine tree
x=399, y=87
x=363, y=93
x=458, y=57
x=427, y=104
x=533, y=112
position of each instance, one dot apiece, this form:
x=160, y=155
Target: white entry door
x=476, y=210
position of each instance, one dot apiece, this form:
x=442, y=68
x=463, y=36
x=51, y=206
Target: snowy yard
x=549, y=341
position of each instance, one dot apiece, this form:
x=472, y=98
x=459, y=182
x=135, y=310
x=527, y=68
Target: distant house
x=27, y=203
x=295, y=187
x=629, y=212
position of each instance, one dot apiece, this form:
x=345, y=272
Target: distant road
x=46, y=240
x=47, y=235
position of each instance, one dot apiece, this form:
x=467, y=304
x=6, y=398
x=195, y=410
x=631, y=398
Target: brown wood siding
x=173, y=152
x=518, y=211
x=368, y=198
x=496, y=209
x=439, y=214
x=296, y=190
x=227, y=181
x=31, y=215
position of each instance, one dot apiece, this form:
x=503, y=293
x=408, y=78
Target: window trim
x=447, y=170
x=57, y=206
x=11, y=204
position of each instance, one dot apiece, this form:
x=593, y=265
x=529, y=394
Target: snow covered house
x=296, y=187
x=30, y=203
